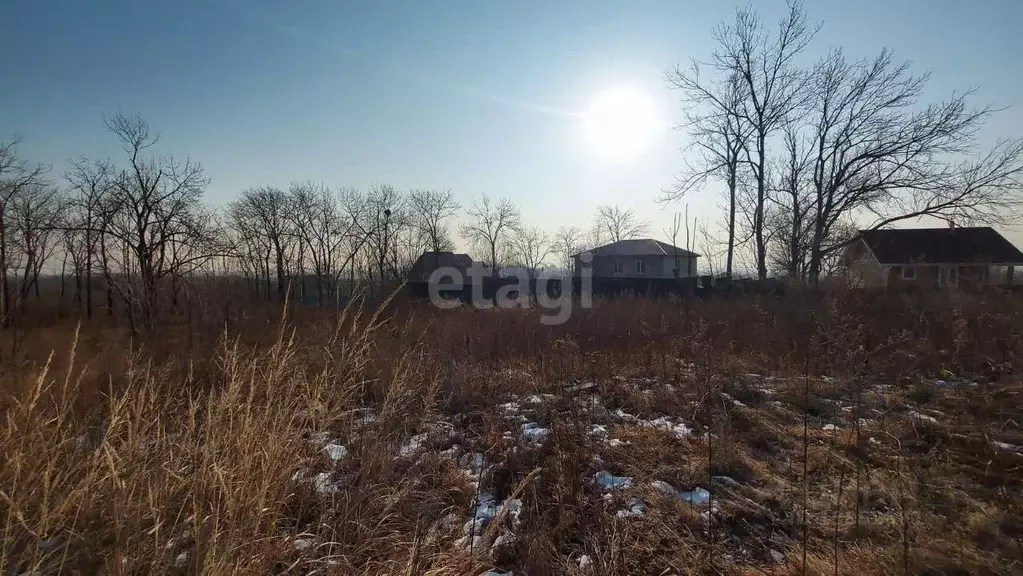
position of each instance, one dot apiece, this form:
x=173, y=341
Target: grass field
x=814, y=433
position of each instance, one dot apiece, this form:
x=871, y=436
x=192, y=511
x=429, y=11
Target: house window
x=618, y=266
x=908, y=273
x=640, y=267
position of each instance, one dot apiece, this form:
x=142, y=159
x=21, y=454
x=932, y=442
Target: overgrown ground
x=821, y=434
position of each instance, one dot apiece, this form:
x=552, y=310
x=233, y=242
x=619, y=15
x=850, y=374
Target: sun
x=621, y=123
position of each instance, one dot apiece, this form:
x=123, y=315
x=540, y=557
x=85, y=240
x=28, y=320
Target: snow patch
x=486, y=510
x=607, y=480
x=695, y=496
x=510, y=407
x=335, y=451
x=664, y=488
x=663, y=423
x=451, y=453
x=324, y=484
x=923, y=417
x=532, y=432
x=504, y=540
x=728, y=397
x=473, y=462
x=413, y=445
x=634, y=508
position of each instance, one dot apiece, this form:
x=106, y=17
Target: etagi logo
x=516, y=290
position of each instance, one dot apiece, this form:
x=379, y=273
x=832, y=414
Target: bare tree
x=616, y=224
x=322, y=225
x=567, y=242
x=771, y=86
x=719, y=135
x=265, y=213
x=156, y=219
x=877, y=153
x=90, y=183
x=791, y=221
x=250, y=249
x=489, y=226
x=707, y=249
x=678, y=224
x=387, y=219
x=36, y=212
x=15, y=176
x=430, y=210
x=530, y=248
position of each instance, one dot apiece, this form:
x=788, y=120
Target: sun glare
x=621, y=123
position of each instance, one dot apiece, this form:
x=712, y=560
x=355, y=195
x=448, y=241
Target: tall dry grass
x=166, y=457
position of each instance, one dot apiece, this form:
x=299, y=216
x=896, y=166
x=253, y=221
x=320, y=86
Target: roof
x=639, y=247
x=512, y=271
x=430, y=261
x=941, y=246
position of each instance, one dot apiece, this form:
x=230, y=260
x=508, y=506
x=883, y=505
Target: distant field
x=846, y=433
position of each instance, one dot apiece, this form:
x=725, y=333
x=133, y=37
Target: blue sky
x=475, y=97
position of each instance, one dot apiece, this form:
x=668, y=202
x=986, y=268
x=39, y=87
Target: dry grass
x=200, y=450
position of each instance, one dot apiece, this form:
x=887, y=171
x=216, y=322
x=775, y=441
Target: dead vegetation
x=844, y=434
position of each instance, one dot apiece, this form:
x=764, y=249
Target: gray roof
x=640, y=247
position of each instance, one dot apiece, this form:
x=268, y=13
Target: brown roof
x=430, y=261
x=941, y=246
x=640, y=247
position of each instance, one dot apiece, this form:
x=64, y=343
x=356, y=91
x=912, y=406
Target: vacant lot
x=821, y=434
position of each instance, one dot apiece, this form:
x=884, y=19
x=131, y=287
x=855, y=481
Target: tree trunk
x=78, y=289
x=731, y=221
x=280, y=272
x=5, y=282
x=797, y=225
x=88, y=275
x=758, y=217
x=266, y=266
x=35, y=281
x=63, y=277
x=107, y=276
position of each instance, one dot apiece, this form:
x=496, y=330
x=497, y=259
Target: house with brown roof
x=431, y=261
x=931, y=257
x=638, y=258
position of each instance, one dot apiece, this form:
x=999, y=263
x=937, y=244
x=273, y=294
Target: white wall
x=684, y=267
x=656, y=267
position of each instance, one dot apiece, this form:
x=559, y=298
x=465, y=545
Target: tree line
x=134, y=235
x=808, y=154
